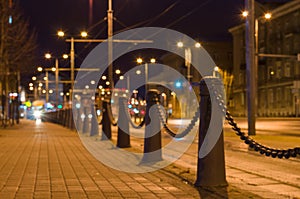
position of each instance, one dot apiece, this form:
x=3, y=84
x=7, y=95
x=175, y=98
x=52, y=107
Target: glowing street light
x=40, y=69
x=84, y=34
x=60, y=33
x=268, y=15
x=48, y=56
x=245, y=13
x=180, y=44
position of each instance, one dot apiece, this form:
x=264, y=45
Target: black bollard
x=78, y=118
x=94, y=122
x=85, y=127
x=152, y=142
x=123, y=139
x=211, y=168
x=106, y=126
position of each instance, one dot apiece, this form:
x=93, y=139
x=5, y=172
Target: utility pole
x=251, y=68
x=72, y=65
x=56, y=81
x=110, y=49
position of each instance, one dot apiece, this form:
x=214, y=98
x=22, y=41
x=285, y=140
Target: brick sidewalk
x=49, y=161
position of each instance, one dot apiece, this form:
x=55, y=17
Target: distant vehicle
x=37, y=109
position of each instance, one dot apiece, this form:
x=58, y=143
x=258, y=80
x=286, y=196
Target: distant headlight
x=37, y=114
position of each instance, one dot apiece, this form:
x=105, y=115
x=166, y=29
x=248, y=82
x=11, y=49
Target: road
x=246, y=169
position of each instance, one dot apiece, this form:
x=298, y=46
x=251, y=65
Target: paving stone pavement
x=49, y=161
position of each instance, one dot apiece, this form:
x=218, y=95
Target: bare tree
x=17, y=46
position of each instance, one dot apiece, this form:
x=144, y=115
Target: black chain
x=169, y=131
x=129, y=118
x=110, y=116
x=279, y=153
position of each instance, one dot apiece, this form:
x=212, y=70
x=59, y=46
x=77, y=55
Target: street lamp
x=56, y=70
x=140, y=61
x=188, y=60
x=83, y=34
x=251, y=34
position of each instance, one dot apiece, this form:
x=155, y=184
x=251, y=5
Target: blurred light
x=179, y=44
x=197, y=45
x=40, y=84
x=48, y=55
x=60, y=33
x=87, y=87
x=98, y=112
x=50, y=91
x=40, y=69
x=107, y=83
x=10, y=19
x=173, y=93
x=30, y=84
x=45, y=78
x=77, y=105
x=61, y=94
x=178, y=84
x=67, y=94
x=138, y=72
x=59, y=106
x=104, y=77
x=31, y=88
x=33, y=78
x=44, y=91
x=139, y=60
x=152, y=60
x=53, y=69
x=84, y=34
x=268, y=15
x=100, y=87
x=93, y=82
x=245, y=13
x=118, y=71
x=65, y=56
x=121, y=77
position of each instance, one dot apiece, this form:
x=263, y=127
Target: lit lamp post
x=140, y=61
x=188, y=60
x=251, y=34
x=83, y=34
x=56, y=70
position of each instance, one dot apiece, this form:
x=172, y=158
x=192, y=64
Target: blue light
x=178, y=84
x=10, y=19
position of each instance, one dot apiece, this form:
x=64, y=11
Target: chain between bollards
x=268, y=151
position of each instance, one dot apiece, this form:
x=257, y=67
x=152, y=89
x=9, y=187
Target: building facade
x=278, y=73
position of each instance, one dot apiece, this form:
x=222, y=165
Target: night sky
x=201, y=19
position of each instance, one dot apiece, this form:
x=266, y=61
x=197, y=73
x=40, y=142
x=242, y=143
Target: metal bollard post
x=85, y=127
x=123, y=139
x=94, y=122
x=78, y=118
x=152, y=142
x=211, y=168
x=106, y=126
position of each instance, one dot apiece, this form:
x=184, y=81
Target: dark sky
x=200, y=19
